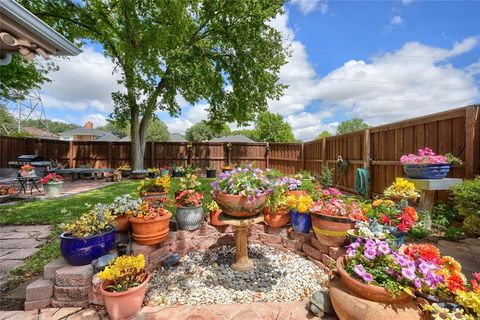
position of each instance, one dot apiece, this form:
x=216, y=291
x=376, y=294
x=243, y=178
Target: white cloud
x=178, y=125
x=407, y=2
x=397, y=21
x=307, y=6
x=197, y=113
x=97, y=119
x=307, y=126
x=83, y=81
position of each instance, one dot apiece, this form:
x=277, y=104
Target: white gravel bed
x=205, y=277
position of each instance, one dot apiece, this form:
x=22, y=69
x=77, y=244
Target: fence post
x=70, y=152
x=267, y=156
x=472, y=141
x=367, y=158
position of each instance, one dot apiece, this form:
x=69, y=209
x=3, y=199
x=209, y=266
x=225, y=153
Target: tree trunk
x=138, y=132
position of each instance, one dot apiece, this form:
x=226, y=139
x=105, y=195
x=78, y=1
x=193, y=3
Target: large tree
x=223, y=52
x=53, y=126
x=272, y=127
x=354, y=124
x=323, y=134
x=203, y=131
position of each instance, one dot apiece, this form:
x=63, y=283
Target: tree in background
x=115, y=128
x=157, y=131
x=7, y=121
x=53, y=126
x=203, y=131
x=223, y=52
x=249, y=133
x=21, y=76
x=352, y=125
x=323, y=134
x=272, y=128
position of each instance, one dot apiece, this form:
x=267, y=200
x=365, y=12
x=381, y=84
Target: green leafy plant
x=443, y=215
x=453, y=233
x=467, y=201
x=325, y=178
x=307, y=185
x=277, y=200
x=419, y=232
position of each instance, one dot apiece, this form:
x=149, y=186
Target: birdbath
x=242, y=262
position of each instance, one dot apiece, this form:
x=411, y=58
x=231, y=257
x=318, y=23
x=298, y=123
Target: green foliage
x=272, y=128
x=323, y=134
x=467, y=201
x=249, y=133
x=21, y=76
x=351, y=125
x=443, y=215
x=6, y=119
x=325, y=178
x=115, y=128
x=203, y=131
x=53, y=126
x=307, y=185
x=453, y=233
x=419, y=232
x=157, y=131
x=276, y=199
x=163, y=49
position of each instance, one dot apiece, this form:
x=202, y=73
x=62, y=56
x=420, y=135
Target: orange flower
x=427, y=252
x=455, y=283
x=452, y=265
x=411, y=212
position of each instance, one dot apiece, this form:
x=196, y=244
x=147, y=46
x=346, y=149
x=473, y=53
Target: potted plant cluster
x=275, y=211
x=153, y=172
x=165, y=170
x=189, y=215
x=178, y=171
x=397, y=218
x=155, y=190
x=52, y=184
x=122, y=208
x=299, y=207
x=427, y=165
x=215, y=212
x=125, y=170
x=123, y=286
x=89, y=237
x=402, y=189
x=150, y=224
x=293, y=186
x=6, y=193
x=188, y=182
x=378, y=273
x=27, y=171
x=241, y=192
x=333, y=215
x=211, y=172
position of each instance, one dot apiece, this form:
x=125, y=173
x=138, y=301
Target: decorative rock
x=292, y=244
x=269, y=239
x=100, y=263
x=40, y=289
x=64, y=304
x=51, y=267
x=281, y=232
x=94, y=295
x=171, y=260
x=74, y=276
x=329, y=262
x=205, y=242
x=207, y=230
x=183, y=247
x=320, y=265
x=320, y=303
x=140, y=249
x=257, y=228
x=303, y=237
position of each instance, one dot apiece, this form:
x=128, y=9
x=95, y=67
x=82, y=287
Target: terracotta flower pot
x=296, y=193
x=126, y=304
x=368, y=291
x=330, y=230
x=147, y=232
x=155, y=197
x=276, y=219
x=214, y=221
x=122, y=224
x=238, y=206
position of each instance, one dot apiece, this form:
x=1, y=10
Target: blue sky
x=379, y=60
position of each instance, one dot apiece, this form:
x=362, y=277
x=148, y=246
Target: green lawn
x=50, y=212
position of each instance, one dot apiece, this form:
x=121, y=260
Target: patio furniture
x=427, y=188
x=25, y=182
x=82, y=172
x=8, y=176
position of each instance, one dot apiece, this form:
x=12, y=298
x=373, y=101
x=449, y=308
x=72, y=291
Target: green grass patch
x=49, y=212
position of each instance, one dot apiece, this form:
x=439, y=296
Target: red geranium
x=425, y=251
x=384, y=219
x=455, y=283
x=52, y=178
x=189, y=198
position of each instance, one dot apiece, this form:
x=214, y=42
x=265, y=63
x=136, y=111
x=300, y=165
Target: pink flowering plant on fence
x=426, y=156
x=374, y=262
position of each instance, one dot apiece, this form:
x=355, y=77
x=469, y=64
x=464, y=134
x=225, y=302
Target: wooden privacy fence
x=377, y=149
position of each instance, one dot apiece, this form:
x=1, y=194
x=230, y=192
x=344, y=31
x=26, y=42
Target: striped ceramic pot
x=189, y=218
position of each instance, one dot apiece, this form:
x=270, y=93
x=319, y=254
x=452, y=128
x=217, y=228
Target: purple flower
x=408, y=273
x=370, y=243
x=383, y=248
x=417, y=283
x=367, y=277
x=390, y=271
x=401, y=260
x=424, y=268
x=369, y=253
x=359, y=270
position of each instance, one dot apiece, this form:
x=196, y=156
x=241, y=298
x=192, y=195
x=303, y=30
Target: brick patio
x=69, y=189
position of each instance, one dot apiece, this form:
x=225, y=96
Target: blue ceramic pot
x=397, y=237
x=301, y=222
x=82, y=251
x=426, y=171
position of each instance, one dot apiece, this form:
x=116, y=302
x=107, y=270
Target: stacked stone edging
x=70, y=286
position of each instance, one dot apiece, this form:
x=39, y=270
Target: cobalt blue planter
x=301, y=222
x=426, y=171
x=82, y=251
x=396, y=238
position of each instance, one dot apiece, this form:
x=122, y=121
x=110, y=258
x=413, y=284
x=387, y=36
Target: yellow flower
x=377, y=202
x=452, y=265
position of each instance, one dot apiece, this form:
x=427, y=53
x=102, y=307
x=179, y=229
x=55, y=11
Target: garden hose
x=362, y=178
x=341, y=168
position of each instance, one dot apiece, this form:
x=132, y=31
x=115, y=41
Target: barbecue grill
x=38, y=162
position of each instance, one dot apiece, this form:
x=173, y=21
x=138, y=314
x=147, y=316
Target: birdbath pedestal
x=242, y=262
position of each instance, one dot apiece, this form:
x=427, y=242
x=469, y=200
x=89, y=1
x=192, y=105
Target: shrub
x=443, y=215
x=453, y=233
x=325, y=178
x=467, y=201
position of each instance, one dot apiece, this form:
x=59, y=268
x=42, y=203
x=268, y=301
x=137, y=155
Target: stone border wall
x=69, y=286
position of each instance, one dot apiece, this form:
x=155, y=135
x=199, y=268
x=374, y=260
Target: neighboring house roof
x=125, y=139
x=177, y=137
x=235, y=138
x=39, y=133
x=81, y=131
x=108, y=136
x=32, y=35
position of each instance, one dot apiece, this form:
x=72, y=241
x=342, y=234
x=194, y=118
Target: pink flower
x=325, y=192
